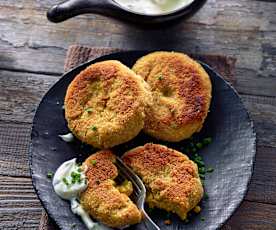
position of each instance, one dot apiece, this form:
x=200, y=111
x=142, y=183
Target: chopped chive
x=206, y=196
x=210, y=169
x=202, y=176
x=93, y=162
x=79, y=170
x=89, y=110
x=160, y=77
x=94, y=128
x=202, y=219
x=201, y=170
x=50, y=174
x=199, y=163
x=65, y=181
x=199, y=145
x=207, y=140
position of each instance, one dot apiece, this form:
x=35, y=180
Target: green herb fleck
x=199, y=145
x=93, y=162
x=76, y=177
x=210, y=169
x=200, y=163
x=201, y=170
x=89, y=110
x=50, y=175
x=94, y=128
x=65, y=181
x=202, y=177
x=207, y=140
x=160, y=78
x=202, y=219
x=206, y=196
x=79, y=170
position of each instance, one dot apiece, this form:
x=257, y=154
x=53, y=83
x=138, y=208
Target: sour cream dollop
x=68, y=182
x=154, y=7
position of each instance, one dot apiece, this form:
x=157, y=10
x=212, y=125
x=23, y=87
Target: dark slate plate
x=231, y=153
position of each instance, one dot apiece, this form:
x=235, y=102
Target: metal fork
x=138, y=195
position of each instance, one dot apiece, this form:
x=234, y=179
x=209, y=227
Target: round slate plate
x=231, y=153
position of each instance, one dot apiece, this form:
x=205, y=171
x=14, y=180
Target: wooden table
x=32, y=51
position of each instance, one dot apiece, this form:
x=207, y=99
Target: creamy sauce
x=69, y=181
x=153, y=7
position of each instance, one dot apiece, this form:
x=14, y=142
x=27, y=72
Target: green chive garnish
x=201, y=170
x=65, y=181
x=160, y=77
x=210, y=169
x=89, y=110
x=202, y=219
x=50, y=175
x=93, y=162
x=202, y=177
x=206, y=196
x=199, y=145
x=94, y=128
x=207, y=140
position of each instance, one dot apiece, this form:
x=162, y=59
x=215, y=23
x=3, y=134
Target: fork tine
x=139, y=192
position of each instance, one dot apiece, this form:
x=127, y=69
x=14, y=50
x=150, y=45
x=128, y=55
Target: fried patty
x=103, y=199
x=171, y=179
x=105, y=104
x=181, y=92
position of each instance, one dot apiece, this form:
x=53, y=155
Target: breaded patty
x=171, y=179
x=103, y=199
x=181, y=92
x=105, y=104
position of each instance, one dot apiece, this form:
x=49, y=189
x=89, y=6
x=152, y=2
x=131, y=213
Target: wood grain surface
x=32, y=52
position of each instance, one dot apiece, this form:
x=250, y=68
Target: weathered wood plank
x=263, y=183
x=243, y=29
x=253, y=216
x=14, y=145
x=19, y=206
x=20, y=94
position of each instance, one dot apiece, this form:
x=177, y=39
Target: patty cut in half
x=103, y=199
x=171, y=179
x=105, y=104
x=181, y=92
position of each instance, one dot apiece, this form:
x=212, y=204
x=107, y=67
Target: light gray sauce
x=153, y=7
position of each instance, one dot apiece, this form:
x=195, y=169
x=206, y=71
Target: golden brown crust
x=181, y=92
x=171, y=179
x=102, y=199
x=105, y=104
